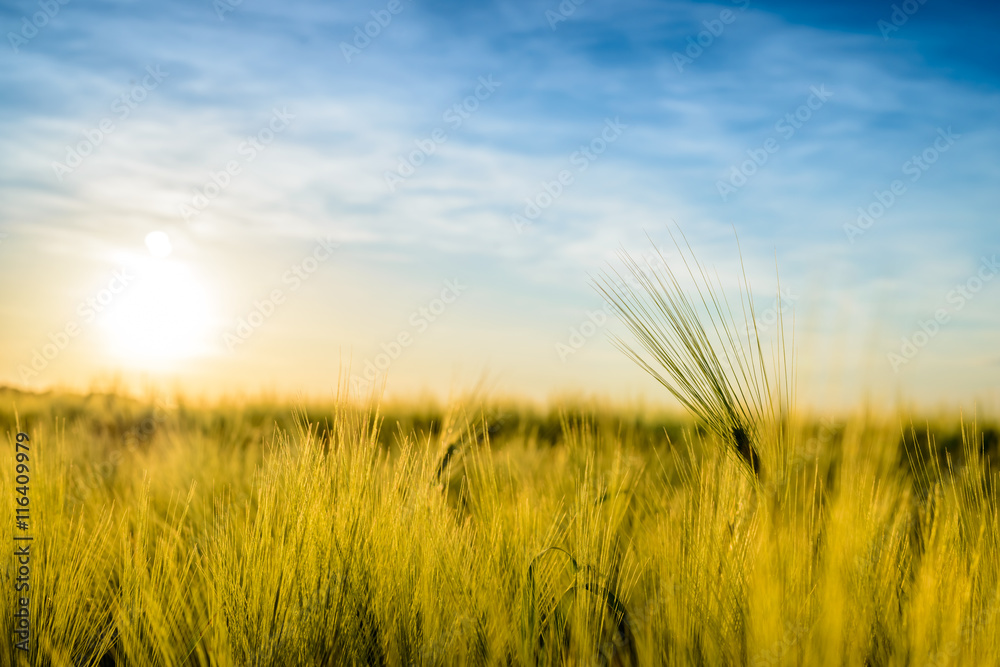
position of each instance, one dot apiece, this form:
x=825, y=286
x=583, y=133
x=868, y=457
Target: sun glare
x=162, y=317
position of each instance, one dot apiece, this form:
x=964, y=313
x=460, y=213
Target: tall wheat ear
x=688, y=339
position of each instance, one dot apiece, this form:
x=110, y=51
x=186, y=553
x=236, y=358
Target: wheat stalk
x=689, y=342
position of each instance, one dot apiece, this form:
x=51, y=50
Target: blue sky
x=682, y=123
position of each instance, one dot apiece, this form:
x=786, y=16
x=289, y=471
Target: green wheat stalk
x=689, y=342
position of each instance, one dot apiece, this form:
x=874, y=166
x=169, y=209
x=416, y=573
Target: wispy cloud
x=353, y=121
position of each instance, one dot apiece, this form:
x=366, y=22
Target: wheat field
x=482, y=533
x=523, y=333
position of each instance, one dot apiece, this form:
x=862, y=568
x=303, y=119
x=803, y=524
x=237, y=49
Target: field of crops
x=481, y=532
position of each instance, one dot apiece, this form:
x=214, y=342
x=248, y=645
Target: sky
x=233, y=197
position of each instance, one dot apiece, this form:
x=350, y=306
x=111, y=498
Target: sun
x=162, y=316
